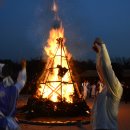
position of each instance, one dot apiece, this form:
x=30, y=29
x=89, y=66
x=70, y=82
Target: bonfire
x=57, y=92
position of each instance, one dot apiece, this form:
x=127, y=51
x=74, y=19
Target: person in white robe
x=106, y=105
x=85, y=89
x=93, y=93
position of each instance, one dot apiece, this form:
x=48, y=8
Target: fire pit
x=59, y=97
x=57, y=94
x=46, y=108
x=53, y=114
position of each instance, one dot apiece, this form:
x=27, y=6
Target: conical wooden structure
x=56, y=83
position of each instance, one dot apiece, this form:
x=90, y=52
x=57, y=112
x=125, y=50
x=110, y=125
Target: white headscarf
x=7, y=81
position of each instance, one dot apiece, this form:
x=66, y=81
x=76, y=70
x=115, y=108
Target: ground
x=123, y=119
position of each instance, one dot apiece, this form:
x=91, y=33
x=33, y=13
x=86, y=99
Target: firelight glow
x=55, y=88
x=54, y=84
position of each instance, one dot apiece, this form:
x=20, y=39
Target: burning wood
x=44, y=107
x=57, y=93
x=57, y=81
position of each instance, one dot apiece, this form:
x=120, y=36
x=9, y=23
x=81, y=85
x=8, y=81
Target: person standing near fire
x=99, y=87
x=93, y=86
x=9, y=92
x=85, y=89
x=105, y=108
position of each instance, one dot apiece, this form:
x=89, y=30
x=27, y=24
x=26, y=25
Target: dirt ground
x=123, y=119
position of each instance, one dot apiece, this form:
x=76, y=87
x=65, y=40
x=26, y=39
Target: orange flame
x=54, y=89
x=54, y=34
x=52, y=85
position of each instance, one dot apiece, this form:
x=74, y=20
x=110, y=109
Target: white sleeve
x=109, y=76
x=21, y=79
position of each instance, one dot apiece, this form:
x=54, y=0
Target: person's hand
x=23, y=63
x=97, y=45
x=80, y=96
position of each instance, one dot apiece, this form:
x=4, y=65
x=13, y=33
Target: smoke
x=57, y=24
x=57, y=21
x=54, y=6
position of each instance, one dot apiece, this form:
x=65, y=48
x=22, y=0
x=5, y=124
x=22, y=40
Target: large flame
x=54, y=87
x=51, y=84
x=52, y=42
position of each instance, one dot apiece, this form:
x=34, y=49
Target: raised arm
x=105, y=70
x=21, y=80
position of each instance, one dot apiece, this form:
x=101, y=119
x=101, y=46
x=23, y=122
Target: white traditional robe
x=85, y=89
x=105, y=109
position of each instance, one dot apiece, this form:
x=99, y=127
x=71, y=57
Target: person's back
x=85, y=89
x=8, y=96
x=105, y=111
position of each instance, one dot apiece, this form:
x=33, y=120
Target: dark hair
x=7, y=70
x=1, y=79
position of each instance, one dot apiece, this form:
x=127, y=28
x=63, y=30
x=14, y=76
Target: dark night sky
x=25, y=25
